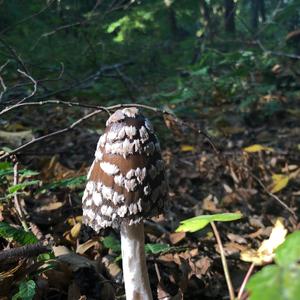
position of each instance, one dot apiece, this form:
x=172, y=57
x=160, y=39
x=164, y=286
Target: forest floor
x=201, y=182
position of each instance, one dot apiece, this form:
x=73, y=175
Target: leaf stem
x=250, y=270
x=224, y=262
x=16, y=200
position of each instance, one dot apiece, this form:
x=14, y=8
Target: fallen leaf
x=75, y=230
x=280, y=181
x=202, y=266
x=209, y=204
x=236, y=238
x=82, y=248
x=265, y=253
x=176, y=237
x=257, y=148
x=16, y=139
x=187, y=148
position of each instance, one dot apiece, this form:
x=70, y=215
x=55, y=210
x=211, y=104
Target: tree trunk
x=254, y=14
x=229, y=16
x=262, y=9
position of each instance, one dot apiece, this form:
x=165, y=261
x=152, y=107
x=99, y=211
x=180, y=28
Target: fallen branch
x=31, y=250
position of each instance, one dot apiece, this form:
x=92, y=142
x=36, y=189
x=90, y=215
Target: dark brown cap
x=126, y=182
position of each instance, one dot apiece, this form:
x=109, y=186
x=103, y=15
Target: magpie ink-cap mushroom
x=127, y=184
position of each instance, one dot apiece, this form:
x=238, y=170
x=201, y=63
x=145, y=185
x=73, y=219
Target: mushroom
x=126, y=184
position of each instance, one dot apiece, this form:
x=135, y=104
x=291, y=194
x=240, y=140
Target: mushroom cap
x=126, y=182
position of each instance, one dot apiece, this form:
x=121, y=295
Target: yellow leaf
x=73, y=220
x=280, y=181
x=75, y=230
x=187, y=148
x=265, y=253
x=257, y=148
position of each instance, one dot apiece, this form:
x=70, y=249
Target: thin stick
x=224, y=262
x=58, y=132
x=16, y=200
x=250, y=270
x=99, y=109
x=274, y=196
x=34, y=86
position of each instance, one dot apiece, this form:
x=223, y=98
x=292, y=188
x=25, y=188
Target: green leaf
x=289, y=251
x=28, y=173
x=22, y=186
x=69, y=183
x=197, y=223
x=26, y=290
x=156, y=248
x=18, y=235
x=200, y=72
x=7, y=169
x=274, y=282
x=5, y=165
x=112, y=243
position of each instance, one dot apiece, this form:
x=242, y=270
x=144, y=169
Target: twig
x=70, y=104
x=273, y=196
x=55, y=133
x=24, y=251
x=13, y=52
x=224, y=262
x=16, y=199
x=28, y=18
x=26, y=97
x=276, y=53
x=4, y=88
x=99, y=109
x=47, y=102
x=34, y=86
x=250, y=270
x=46, y=34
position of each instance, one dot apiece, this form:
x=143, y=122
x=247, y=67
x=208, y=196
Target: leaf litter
x=180, y=264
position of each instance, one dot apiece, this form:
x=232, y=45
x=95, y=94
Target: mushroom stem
x=136, y=279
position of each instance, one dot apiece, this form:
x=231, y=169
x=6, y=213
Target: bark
x=229, y=16
x=257, y=9
x=15, y=254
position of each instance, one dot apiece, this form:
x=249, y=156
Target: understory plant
x=278, y=281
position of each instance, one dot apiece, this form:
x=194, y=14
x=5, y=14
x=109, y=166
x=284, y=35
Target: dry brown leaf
x=236, y=238
x=74, y=292
x=176, y=237
x=82, y=248
x=208, y=204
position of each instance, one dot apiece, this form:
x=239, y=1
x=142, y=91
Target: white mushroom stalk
x=126, y=184
x=136, y=279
